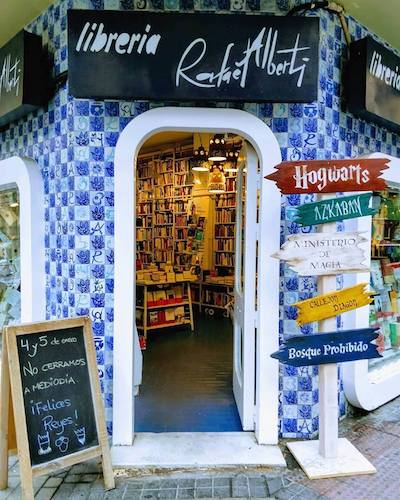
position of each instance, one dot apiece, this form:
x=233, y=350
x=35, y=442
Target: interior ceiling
x=163, y=138
x=382, y=17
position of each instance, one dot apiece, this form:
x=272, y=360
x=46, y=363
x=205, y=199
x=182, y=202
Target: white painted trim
x=25, y=175
x=212, y=120
x=358, y=387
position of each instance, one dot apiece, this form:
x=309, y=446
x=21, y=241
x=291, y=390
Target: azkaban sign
x=193, y=57
x=373, y=83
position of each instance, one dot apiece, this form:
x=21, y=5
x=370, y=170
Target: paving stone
x=222, y=492
x=240, y=492
x=239, y=481
x=169, y=483
x=15, y=494
x=45, y=494
x=185, y=493
x=88, y=478
x=168, y=493
x=130, y=495
x=81, y=491
x=274, y=484
x=96, y=490
x=204, y=482
x=203, y=493
x=135, y=485
x=72, y=478
x=53, y=482
x=186, y=483
x=64, y=491
x=222, y=482
x=152, y=485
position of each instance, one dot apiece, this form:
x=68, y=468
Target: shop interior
x=385, y=278
x=186, y=209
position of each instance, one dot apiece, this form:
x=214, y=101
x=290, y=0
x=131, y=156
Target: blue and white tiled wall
x=73, y=140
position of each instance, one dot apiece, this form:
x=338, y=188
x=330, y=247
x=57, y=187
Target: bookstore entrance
x=194, y=252
x=193, y=258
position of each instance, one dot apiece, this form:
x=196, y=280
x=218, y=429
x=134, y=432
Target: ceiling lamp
x=217, y=148
x=199, y=160
x=216, y=180
x=232, y=155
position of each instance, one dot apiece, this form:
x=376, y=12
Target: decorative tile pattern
x=73, y=142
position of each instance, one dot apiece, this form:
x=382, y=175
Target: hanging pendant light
x=217, y=148
x=216, y=180
x=199, y=159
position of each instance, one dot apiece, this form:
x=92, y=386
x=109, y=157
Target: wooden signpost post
x=51, y=370
x=318, y=254
x=332, y=347
x=346, y=207
x=332, y=304
x=322, y=255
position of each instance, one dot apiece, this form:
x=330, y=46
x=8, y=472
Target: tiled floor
x=187, y=380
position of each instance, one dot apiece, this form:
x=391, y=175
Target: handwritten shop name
x=323, y=176
x=327, y=350
x=10, y=76
x=260, y=51
x=387, y=74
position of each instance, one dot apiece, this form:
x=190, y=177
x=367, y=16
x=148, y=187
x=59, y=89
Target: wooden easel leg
x=108, y=474
x=27, y=492
x=5, y=395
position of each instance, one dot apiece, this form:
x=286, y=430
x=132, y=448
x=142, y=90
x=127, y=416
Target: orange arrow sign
x=333, y=303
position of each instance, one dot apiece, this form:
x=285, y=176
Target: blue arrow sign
x=332, y=347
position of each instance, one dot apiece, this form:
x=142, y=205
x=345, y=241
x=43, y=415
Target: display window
x=10, y=295
x=385, y=273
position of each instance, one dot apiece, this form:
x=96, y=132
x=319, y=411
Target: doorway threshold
x=171, y=450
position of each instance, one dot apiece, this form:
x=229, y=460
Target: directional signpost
x=318, y=254
x=332, y=347
x=347, y=207
x=325, y=254
x=330, y=176
x=332, y=304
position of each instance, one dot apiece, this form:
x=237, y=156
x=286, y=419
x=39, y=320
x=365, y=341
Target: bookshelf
x=163, y=305
x=145, y=210
x=224, y=230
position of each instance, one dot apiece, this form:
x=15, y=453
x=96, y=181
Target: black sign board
x=373, y=83
x=22, y=76
x=57, y=395
x=142, y=55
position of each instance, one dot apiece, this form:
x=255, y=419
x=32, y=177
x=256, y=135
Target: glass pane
x=10, y=295
x=385, y=273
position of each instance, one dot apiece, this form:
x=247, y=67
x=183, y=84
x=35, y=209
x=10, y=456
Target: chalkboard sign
x=147, y=55
x=56, y=399
x=57, y=395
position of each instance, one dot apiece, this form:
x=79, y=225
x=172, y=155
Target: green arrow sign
x=321, y=212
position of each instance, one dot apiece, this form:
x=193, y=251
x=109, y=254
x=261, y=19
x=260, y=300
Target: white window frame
x=135, y=134
x=359, y=389
x=24, y=174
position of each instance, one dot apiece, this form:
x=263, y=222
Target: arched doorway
x=266, y=321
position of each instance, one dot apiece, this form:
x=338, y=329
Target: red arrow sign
x=330, y=176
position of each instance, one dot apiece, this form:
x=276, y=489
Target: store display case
x=369, y=384
x=10, y=295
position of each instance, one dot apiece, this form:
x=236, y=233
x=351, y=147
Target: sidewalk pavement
x=376, y=435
